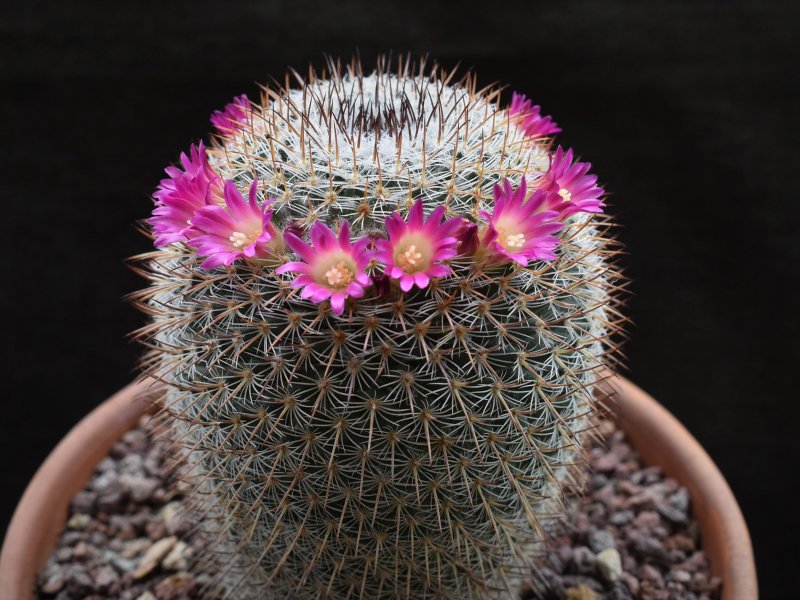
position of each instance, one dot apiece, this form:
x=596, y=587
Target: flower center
x=240, y=239
x=565, y=194
x=512, y=240
x=409, y=259
x=507, y=236
x=339, y=275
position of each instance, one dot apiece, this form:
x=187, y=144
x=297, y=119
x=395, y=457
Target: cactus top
x=359, y=151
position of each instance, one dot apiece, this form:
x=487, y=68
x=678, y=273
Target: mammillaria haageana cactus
x=379, y=303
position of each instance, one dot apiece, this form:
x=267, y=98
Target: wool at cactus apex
x=686, y=111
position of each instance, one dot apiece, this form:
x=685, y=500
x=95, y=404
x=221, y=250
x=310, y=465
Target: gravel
x=629, y=536
x=126, y=536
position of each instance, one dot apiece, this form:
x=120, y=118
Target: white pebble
x=153, y=556
x=610, y=564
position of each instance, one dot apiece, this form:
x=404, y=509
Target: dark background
x=688, y=111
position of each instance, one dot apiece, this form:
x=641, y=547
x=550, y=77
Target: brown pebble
x=641, y=501
x=682, y=542
x=81, y=550
x=154, y=556
x=584, y=560
x=652, y=574
x=83, y=501
x=155, y=530
x=178, y=558
x=126, y=532
x=631, y=582
x=175, y=587
x=606, y=463
x=647, y=519
x=695, y=562
x=79, y=583
x=581, y=523
x=581, y=592
x=70, y=538
x=682, y=576
x=104, y=578
x=110, y=501
x=628, y=488
x=624, y=469
x=63, y=554
x=135, y=547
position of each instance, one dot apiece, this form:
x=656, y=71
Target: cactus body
x=415, y=446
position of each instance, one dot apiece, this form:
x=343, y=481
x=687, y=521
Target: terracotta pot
x=654, y=432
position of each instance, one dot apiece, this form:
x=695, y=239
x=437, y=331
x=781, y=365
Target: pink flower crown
x=196, y=207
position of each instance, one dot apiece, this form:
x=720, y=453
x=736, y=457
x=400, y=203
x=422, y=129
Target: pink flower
x=179, y=196
x=578, y=190
x=521, y=230
x=241, y=230
x=334, y=268
x=533, y=123
x=233, y=117
x=414, y=248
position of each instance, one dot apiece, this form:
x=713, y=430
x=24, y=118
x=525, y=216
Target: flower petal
x=296, y=267
x=337, y=303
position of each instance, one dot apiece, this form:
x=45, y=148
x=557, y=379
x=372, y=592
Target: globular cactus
x=399, y=420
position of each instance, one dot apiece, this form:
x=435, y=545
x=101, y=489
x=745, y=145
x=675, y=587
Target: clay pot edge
x=660, y=439
x=41, y=512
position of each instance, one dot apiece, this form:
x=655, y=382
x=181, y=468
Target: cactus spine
x=415, y=446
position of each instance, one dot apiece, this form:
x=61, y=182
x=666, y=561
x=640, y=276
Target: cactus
x=408, y=439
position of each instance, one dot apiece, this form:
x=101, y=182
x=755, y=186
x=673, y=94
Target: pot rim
x=657, y=435
x=42, y=511
x=660, y=439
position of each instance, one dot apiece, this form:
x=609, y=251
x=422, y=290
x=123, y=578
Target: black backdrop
x=688, y=110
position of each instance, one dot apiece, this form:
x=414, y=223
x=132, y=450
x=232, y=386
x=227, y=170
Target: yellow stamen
x=240, y=239
x=409, y=259
x=509, y=241
x=516, y=240
x=339, y=276
x=565, y=194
